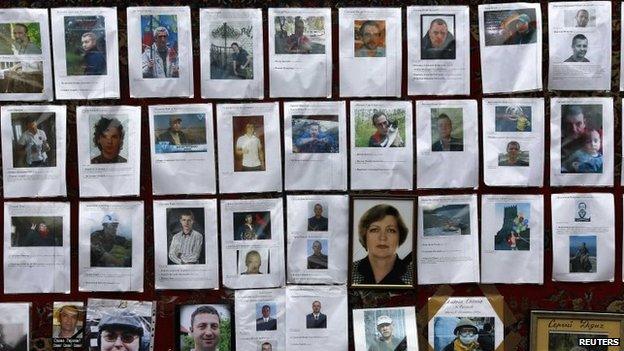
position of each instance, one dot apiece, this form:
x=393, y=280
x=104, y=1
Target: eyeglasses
x=126, y=337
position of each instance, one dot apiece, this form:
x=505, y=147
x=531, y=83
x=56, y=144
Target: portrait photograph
x=447, y=129
x=369, y=38
x=159, y=46
x=318, y=216
x=510, y=27
x=85, y=45
x=111, y=242
x=185, y=236
x=513, y=156
x=248, y=143
x=68, y=323
x=318, y=253
x=108, y=138
x=252, y=225
x=253, y=261
x=266, y=316
x=453, y=219
x=579, y=17
x=513, y=118
x=231, y=50
x=34, y=139
x=267, y=345
x=514, y=232
x=176, y=133
x=438, y=37
x=205, y=327
x=466, y=332
x=315, y=134
x=300, y=35
x=583, y=254
x=583, y=212
x=14, y=336
x=385, y=328
x=103, y=324
x=581, y=139
x=21, y=76
x=38, y=231
x=382, y=242
x=379, y=128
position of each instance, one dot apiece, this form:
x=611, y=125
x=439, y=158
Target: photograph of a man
x=22, y=45
x=318, y=222
x=252, y=225
x=108, y=137
x=266, y=322
x=160, y=60
x=266, y=346
x=370, y=38
x=42, y=231
x=120, y=331
x=33, y=146
x=205, y=328
x=387, y=133
x=174, y=135
x=22, y=76
x=582, y=18
x=253, y=262
x=94, y=61
x=241, y=62
x=438, y=43
x=248, y=148
x=519, y=28
x=186, y=245
x=70, y=322
x=317, y=260
x=444, y=129
x=513, y=157
x=316, y=319
x=313, y=143
x=579, y=49
x=41, y=235
x=386, y=340
x=108, y=248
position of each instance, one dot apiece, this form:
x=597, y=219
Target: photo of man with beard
x=438, y=43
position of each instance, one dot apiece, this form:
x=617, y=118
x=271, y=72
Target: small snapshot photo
x=111, y=242
x=159, y=46
x=447, y=129
x=14, y=336
x=385, y=327
x=317, y=250
x=20, y=38
x=513, y=118
x=34, y=139
x=205, y=327
x=510, y=27
x=111, y=322
x=315, y=134
x=438, y=38
x=109, y=134
x=453, y=219
x=185, y=236
x=579, y=17
x=68, y=323
x=266, y=316
x=562, y=341
x=85, y=45
x=231, y=50
x=513, y=156
x=252, y=225
x=318, y=216
x=579, y=44
x=43, y=231
x=248, y=134
x=380, y=127
x=514, y=232
x=300, y=35
x=267, y=345
x=369, y=38
x=583, y=212
x=464, y=333
x=583, y=250
x=316, y=319
x=176, y=133
x=24, y=75
x=254, y=261
x=581, y=139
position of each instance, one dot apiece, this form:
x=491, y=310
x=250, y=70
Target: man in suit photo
x=316, y=320
x=266, y=322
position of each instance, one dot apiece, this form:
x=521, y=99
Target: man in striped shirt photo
x=187, y=244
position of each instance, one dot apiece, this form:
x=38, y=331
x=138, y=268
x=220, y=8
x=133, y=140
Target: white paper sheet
x=15, y=318
x=109, y=165
x=300, y=52
x=453, y=163
x=171, y=74
x=370, y=51
x=249, y=162
x=581, y=141
x=182, y=147
x=36, y=247
x=309, y=330
x=33, y=163
x=86, y=61
x=583, y=232
x=512, y=239
x=448, y=239
x=104, y=312
x=367, y=335
x=25, y=59
x=219, y=80
x=110, y=261
x=251, y=328
x=513, y=133
x=478, y=310
x=382, y=152
x=308, y=232
x=579, y=45
x=181, y=262
x=252, y=243
x=510, y=39
x=440, y=66
x=315, y=145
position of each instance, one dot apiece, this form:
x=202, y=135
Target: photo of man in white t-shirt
x=249, y=149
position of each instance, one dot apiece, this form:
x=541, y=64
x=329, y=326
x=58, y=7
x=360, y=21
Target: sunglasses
x=126, y=337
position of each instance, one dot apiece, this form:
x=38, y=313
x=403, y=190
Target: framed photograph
x=68, y=325
x=205, y=327
x=111, y=321
x=382, y=232
x=566, y=330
